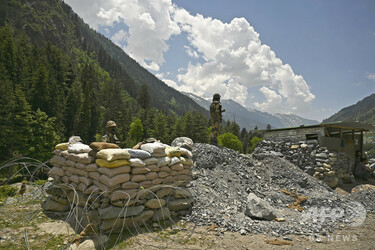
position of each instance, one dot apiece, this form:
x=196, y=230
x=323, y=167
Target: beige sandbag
x=68, y=173
x=151, y=161
x=70, y=163
x=78, y=172
x=94, y=175
x=157, y=181
x=154, y=148
x=105, y=188
x=112, y=154
x=122, y=194
x=145, y=184
x=165, y=169
x=130, y=185
x=153, y=168
x=186, y=153
x=117, y=179
x=58, y=160
x=183, y=178
x=81, y=187
x=56, y=171
x=135, y=162
x=163, y=174
x=143, y=170
x=74, y=178
x=92, y=167
x=62, y=146
x=80, y=166
x=186, y=161
x=65, y=179
x=151, y=176
x=57, y=152
x=169, y=179
x=177, y=167
x=114, y=171
x=97, y=146
x=111, y=164
x=138, y=178
x=174, y=160
x=83, y=158
x=185, y=172
x=91, y=190
x=85, y=180
x=173, y=173
x=64, y=154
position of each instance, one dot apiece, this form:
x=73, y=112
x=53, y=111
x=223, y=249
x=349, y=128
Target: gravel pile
x=224, y=180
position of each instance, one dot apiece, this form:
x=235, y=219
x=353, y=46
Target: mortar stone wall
x=332, y=168
x=113, y=199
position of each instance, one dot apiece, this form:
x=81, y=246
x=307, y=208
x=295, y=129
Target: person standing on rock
x=216, y=117
x=110, y=136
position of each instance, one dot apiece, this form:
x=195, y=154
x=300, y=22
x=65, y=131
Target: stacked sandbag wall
x=332, y=168
x=117, y=189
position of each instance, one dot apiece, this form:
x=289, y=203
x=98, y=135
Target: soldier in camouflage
x=216, y=117
x=110, y=136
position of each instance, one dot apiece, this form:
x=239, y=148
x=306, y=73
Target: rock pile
x=249, y=194
x=332, y=168
x=116, y=189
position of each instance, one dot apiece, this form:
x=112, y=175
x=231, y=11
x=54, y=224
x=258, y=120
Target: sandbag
x=97, y=146
x=92, y=167
x=177, y=167
x=112, y=154
x=186, y=153
x=85, y=180
x=78, y=148
x=58, y=160
x=186, y=161
x=163, y=161
x=81, y=187
x=62, y=146
x=94, y=175
x=174, y=160
x=123, y=194
x=56, y=171
x=111, y=164
x=138, y=153
x=151, y=161
x=130, y=185
x=114, y=171
x=135, y=162
x=172, y=151
x=154, y=148
x=57, y=152
x=117, y=179
x=84, y=158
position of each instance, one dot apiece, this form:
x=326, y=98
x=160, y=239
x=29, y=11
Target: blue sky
x=310, y=58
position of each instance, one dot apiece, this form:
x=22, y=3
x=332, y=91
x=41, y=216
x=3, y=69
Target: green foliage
x=144, y=97
x=229, y=140
x=7, y=191
x=254, y=141
x=135, y=133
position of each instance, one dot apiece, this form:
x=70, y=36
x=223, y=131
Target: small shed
x=346, y=136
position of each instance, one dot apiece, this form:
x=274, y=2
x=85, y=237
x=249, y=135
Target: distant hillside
x=251, y=118
x=53, y=21
x=363, y=111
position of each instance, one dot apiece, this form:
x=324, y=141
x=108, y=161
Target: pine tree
x=40, y=91
x=144, y=97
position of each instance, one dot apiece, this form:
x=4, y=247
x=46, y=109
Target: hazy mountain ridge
x=251, y=118
x=363, y=111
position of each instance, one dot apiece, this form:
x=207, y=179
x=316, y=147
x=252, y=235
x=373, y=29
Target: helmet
x=216, y=96
x=111, y=124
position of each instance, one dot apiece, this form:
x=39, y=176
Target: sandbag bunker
x=117, y=189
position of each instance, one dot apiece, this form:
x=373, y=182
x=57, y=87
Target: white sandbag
x=154, y=148
x=138, y=153
x=78, y=148
x=135, y=162
x=174, y=160
x=84, y=158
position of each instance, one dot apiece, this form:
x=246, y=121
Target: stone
x=258, y=208
x=332, y=182
x=183, y=142
x=155, y=203
x=363, y=187
x=120, y=212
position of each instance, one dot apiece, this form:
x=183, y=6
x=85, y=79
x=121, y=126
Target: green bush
x=7, y=191
x=229, y=140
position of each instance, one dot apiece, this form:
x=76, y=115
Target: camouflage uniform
x=110, y=136
x=216, y=117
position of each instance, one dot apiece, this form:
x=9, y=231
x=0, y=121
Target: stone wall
x=331, y=167
x=115, y=192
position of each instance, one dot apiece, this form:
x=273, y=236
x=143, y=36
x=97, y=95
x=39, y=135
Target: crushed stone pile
x=265, y=194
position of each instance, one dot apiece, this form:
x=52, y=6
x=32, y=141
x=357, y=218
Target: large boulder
x=258, y=208
x=183, y=142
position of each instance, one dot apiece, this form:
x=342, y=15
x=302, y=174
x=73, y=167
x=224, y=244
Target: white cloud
x=371, y=77
x=149, y=25
x=235, y=59
x=231, y=55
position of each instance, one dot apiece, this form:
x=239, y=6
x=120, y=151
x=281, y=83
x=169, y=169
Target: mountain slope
x=363, y=111
x=251, y=118
x=53, y=21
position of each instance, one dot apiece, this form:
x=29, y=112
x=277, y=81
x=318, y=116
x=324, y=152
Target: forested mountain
x=60, y=78
x=363, y=111
x=251, y=118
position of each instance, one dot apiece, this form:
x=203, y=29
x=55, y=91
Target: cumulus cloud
x=235, y=59
x=226, y=57
x=149, y=25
